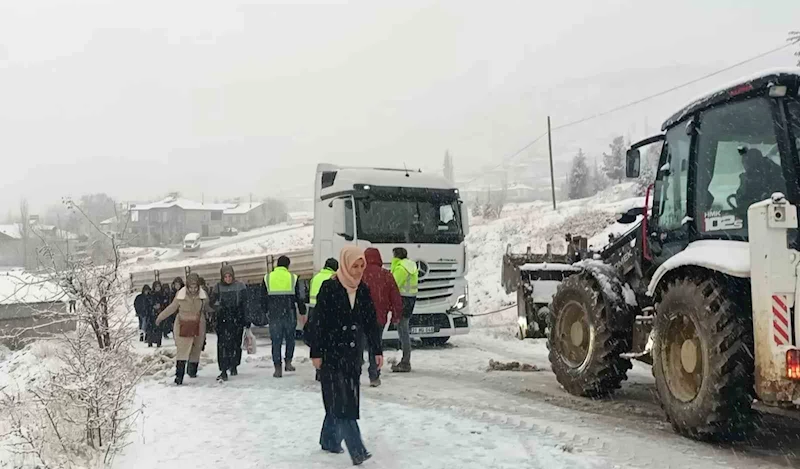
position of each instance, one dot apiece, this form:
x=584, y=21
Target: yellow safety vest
x=406, y=275
x=280, y=282
x=316, y=284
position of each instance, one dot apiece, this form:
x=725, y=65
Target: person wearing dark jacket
x=282, y=300
x=386, y=298
x=344, y=312
x=143, y=305
x=153, y=331
x=228, y=300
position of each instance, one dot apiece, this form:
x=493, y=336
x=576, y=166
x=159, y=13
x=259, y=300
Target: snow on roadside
x=289, y=239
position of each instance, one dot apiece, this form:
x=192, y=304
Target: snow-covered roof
x=241, y=209
x=20, y=287
x=12, y=231
x=109, y=221
x=346, y=177
x=185, y=204
x=521, y=186
x=690, y=106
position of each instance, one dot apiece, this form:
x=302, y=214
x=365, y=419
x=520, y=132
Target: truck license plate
x=422, y=330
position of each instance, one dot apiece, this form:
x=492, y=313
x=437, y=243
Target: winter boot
x=234, y=371
x=289, y=366
x=223, y=376
x=180, y=370
x=374, y=383
x=402, y=367
x=192, y=369
x=359, y=459
x=141, y=337
x=278, y=372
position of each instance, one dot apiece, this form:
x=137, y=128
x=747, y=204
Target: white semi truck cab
x=389, y=208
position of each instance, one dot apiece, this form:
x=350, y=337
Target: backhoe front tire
x=702, y=359
x=586, y=338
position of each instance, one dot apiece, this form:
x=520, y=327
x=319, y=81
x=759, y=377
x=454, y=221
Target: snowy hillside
x=535, y=225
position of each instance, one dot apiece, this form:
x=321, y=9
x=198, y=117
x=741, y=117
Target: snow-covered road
x=450, y=412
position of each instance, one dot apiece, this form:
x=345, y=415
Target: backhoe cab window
x=794, y=120
x=670, y=190
x=738, y=164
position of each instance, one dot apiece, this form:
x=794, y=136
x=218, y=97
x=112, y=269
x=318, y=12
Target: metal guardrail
x=250, y=270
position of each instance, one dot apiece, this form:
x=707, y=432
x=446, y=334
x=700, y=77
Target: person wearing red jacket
x=386, y=297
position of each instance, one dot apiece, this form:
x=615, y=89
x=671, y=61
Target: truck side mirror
x=632, y=163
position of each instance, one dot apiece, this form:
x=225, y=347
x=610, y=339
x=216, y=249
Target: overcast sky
x=224, y=98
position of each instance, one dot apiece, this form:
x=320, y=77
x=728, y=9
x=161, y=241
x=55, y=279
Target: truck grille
x=437, y=286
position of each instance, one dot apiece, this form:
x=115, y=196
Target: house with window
x=169, y=220
x=245, y=216
x=32, y=306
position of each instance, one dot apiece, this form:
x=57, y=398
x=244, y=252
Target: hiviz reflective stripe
x=280, y=282
x=316, y=284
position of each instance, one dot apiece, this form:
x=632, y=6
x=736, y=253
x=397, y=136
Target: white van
x=191, y=242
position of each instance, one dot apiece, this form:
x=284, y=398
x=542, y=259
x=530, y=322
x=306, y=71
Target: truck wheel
x=586, y=340
x=702, y=362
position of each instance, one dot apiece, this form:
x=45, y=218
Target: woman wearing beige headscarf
x=343, y=312
x=191, y=304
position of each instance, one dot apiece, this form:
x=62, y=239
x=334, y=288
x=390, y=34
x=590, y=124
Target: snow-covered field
x=450, y=412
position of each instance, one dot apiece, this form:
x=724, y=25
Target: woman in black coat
x=343, y=312
x=229, y=299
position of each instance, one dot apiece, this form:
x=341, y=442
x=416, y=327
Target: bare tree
x=794, y=38
x=82, y=412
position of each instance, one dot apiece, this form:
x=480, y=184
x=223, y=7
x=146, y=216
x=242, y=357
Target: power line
x=632, y=103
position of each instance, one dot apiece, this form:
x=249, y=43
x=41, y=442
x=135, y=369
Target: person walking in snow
x=386, y=298
x=282, y=300
x=406, y=274
x=344, y=312
x=228, y=299
x=162, y=296
x=143, y=305
x=152, y=332
x=190, y=304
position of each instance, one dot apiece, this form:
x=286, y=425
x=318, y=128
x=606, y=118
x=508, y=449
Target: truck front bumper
x=439, y=324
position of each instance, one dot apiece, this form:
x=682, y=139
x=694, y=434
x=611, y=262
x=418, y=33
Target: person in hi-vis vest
x=331, y=266
x=282, y=301
x=406, y=274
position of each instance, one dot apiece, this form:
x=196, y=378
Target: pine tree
x=579, y=177
x=614, y=162
x=449, y=171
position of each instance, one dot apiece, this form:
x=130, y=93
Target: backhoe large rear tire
x=586, y=339
x=702, y=359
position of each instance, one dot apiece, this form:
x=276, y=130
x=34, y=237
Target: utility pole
x=550, y=148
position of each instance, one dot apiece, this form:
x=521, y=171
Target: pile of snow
x=133, y=255
x=289, y=238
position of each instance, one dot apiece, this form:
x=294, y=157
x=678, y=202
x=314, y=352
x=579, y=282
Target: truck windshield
x=409, y=221
x=794, y=123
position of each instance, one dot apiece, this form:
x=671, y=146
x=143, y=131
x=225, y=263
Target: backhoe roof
x=744, y=86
